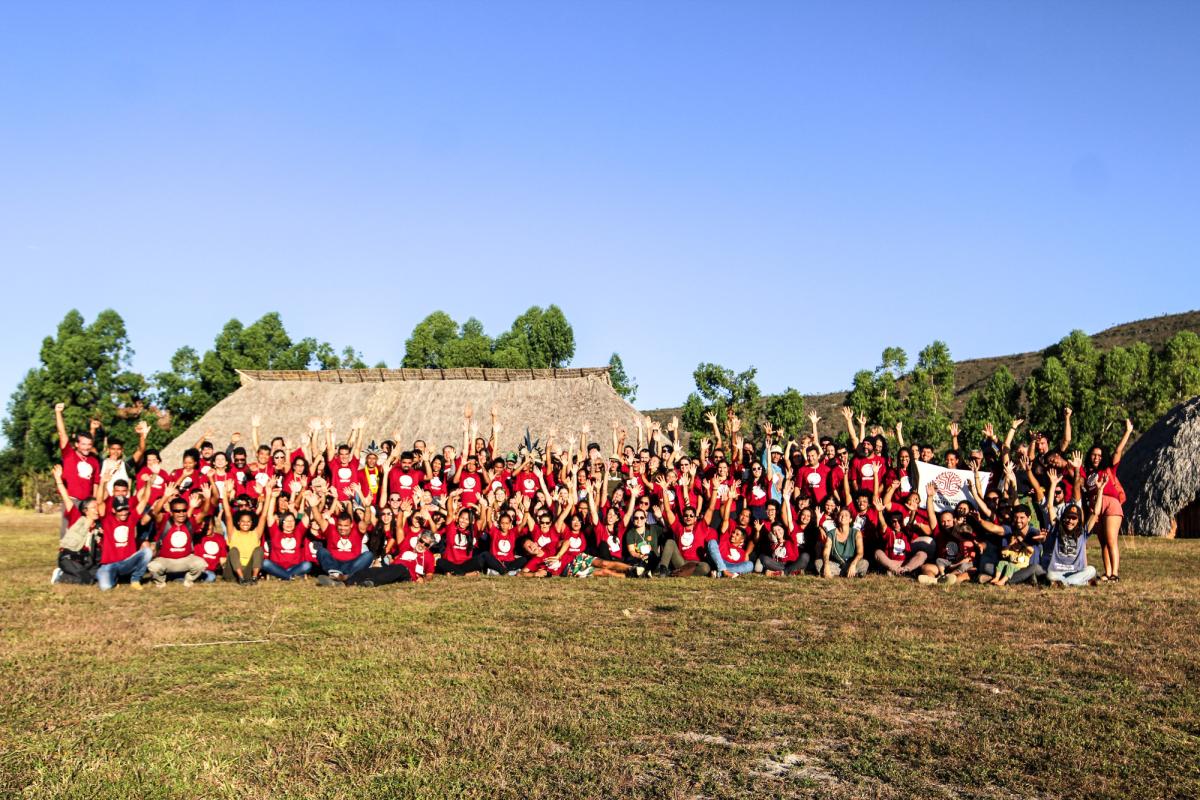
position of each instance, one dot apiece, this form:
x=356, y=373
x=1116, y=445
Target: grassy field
x=592, y=688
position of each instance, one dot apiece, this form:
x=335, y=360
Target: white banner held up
x=953, y=485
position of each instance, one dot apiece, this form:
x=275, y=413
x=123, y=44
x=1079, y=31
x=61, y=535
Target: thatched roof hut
x=419, y=403
x=1161, y=474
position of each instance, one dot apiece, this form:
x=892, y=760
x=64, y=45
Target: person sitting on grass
x=173, y=550
x=285, y=536
x=1064, y=556
x=342, y=554
x=683, y=554
x=244, y=533
x=843, y=551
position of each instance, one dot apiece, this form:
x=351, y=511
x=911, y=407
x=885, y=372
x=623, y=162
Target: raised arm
x=1012, y=431
x=1124, y=441
x=711, y=419
x=142, y=429
x=1065, y=442
x=954, y=436
x=61, y=426
x=62, y=487
x=900, y=435
x=848, y=416
x=255, y=424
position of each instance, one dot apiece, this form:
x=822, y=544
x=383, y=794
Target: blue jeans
x=134, y=566
x=209, y=576
x=1079, y=578
x=349, y=567
x=276, y=571
x=714, y=552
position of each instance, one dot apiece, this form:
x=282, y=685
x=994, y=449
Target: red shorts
x=1111, y=507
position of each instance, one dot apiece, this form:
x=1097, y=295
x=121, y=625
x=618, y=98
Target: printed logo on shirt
x=687, y=538
x=868, y=471
x=814, y=479
x=345, y=473
x=121, y=534
x=503, y=545
x=406, y=481
x=178, y=539
x=344, y=546
x=211, y=548
x=288, y=544
x=83, y=468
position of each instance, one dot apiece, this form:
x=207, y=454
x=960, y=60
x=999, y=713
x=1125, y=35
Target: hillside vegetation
x=971, y=375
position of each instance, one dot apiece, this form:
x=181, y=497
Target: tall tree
x=786, y=412
x=930, y=396
x=621, y=382
x=719, y=389
x=427, y=346
x=86, y=366
x=1177, y=373
x=196, y=383
x=997, y=403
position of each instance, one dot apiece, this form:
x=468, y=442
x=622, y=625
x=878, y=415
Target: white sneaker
x=56, y=576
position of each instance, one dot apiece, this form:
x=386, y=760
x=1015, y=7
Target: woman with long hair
x=1111, y=496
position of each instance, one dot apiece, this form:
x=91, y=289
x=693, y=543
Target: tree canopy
x=538, y=339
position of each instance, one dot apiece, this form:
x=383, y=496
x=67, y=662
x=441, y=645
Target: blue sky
x=790, y=185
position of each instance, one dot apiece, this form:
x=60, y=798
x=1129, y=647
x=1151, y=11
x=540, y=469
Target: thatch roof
x=1161, y=472
x=420, y=404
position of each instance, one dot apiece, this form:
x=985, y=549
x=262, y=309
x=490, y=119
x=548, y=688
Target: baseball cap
x=776, y=449
x=120, y=504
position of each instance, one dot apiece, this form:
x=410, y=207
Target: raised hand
x=931, y=489
x=673, y=425
x=1054, y=475
x=142, y=428
x=58, y=407
x=1018, y=422
x=1129, y=426
x=1067, y=412
x=1077, y=459
x=989, y=431
x=813, y=417
x=847, y=413
x=710, y=418
x=862, y=419
x=57, y=469
x=954, y=429
x=256, y=421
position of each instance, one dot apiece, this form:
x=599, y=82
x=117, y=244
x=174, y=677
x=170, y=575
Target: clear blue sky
x=789, y=185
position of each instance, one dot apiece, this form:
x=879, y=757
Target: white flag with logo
x=953, y=485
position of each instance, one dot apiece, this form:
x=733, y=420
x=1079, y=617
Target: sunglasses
x=639, y=517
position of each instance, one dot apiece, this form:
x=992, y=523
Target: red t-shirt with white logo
x=814, y=482
x=118, y=539
x=343, y=477
x=471, y=484
x=287, y=549
x=212, y=549
x=175, y=542
x=343, y=548
x=504, y=545
x=692, y=543
x=610, y=544
x=81, y=474
x=731, y=554
x=460, y=544
x=157, y=481
x=419, y=564
x=404, y=482
x=526, y=483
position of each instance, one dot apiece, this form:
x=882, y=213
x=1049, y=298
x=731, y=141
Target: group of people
x=351, y=514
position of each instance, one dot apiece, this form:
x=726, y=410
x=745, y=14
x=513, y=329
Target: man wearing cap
x=120, y=554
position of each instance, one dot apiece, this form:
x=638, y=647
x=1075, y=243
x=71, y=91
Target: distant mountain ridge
x=971, y=374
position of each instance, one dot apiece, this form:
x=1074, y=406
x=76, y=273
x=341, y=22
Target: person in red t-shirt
x=120, y=555
x=500, y=554
x=80, y=464
x=461, y=538
x=684, y=553
x=173, y=549
x=343, y=553
x=1111, y=496
x=214, y=550
x=813, y=477
x=286, y=554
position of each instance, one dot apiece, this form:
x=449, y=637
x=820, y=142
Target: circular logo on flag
x=948, y=484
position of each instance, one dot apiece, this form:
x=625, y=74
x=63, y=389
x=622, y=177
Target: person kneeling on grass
x=1064, y=555
x=78, y=536
x=173, y=550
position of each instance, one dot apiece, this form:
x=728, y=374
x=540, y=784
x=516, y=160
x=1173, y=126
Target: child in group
x=1012, y=558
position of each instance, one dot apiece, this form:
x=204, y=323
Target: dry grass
x=686, y=688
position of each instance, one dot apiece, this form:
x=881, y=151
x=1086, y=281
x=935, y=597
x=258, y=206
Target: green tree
x=719, y=389
x=622, y=383
x=1048, y=390
x=786, y=411
x=429, y=342
x=877, y=394
x=1177, y=371
x=998, y=403
x=930, y=397
x=196, y=383
x=1125, y=390
x=86, y=366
